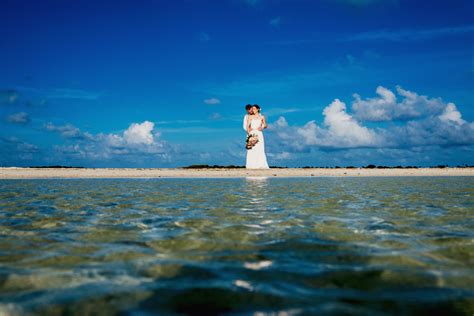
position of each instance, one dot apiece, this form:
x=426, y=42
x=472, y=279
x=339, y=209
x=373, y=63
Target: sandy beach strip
x=42, y=173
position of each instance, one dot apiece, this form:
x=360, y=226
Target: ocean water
x=282, y=246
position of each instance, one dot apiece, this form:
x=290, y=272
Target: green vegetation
x=54, y=166
x=213, y=167
x=370, y=166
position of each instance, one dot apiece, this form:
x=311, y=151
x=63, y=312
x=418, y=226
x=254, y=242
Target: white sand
x=32, y=173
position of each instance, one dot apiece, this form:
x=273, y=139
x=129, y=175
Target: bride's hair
x=257, y=106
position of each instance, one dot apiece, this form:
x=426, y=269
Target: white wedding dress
x=256, y=158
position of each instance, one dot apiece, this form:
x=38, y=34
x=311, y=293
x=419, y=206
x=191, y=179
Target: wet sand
x=41, y=173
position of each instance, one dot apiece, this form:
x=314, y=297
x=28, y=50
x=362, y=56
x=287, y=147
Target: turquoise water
x=351, y=246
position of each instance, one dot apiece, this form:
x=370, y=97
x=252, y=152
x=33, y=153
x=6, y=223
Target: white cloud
x=375, y=109
x=138, y=138
x=309, y=132
x=212, y=101
x=67, y=131
x=344, y=130
x=139, y=133
x=428, y=122
x=139, y=142
x=340, y=130
x=284, y=155
x=451, y=114
x=386, y=107
x=19, y=118
x=431, y=131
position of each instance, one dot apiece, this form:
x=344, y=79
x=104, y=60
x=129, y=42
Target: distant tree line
x=315, y=167
x=213, y=167
x=54, y=166
x=279, y=167
x=391, y=167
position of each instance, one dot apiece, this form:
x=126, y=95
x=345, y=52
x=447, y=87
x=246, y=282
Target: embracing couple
x=254, y=124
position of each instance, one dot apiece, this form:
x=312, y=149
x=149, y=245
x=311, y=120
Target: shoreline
x=97, y=173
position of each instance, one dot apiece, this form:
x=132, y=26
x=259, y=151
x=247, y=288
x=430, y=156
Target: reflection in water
x=256, y=190
x=256, y=183
x=216, y=246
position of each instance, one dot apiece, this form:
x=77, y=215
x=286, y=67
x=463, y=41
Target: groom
x=248, y=108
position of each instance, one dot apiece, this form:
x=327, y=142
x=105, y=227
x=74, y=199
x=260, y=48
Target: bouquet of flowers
x=251, y=140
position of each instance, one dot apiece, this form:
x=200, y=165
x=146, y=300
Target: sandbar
x=43, y=173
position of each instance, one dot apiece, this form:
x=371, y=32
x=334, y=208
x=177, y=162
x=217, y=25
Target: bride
x=256, y=158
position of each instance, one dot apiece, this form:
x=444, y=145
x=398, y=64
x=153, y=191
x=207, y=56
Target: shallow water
x=354, y=246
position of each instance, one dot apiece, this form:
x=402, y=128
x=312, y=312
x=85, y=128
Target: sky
x=157, y=83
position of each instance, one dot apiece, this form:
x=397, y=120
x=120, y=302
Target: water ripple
x=255, y=245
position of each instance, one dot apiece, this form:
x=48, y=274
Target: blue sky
x=164, y=83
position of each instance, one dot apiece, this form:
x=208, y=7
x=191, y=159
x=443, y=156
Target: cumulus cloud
x=426, y=122
x=138, y=142
x=446, y=129
x=139, y=133
x=387, y=107
x=451, y=114
x=19, y=118
x=212, y=101
x=343, y=130
x=339, y=130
